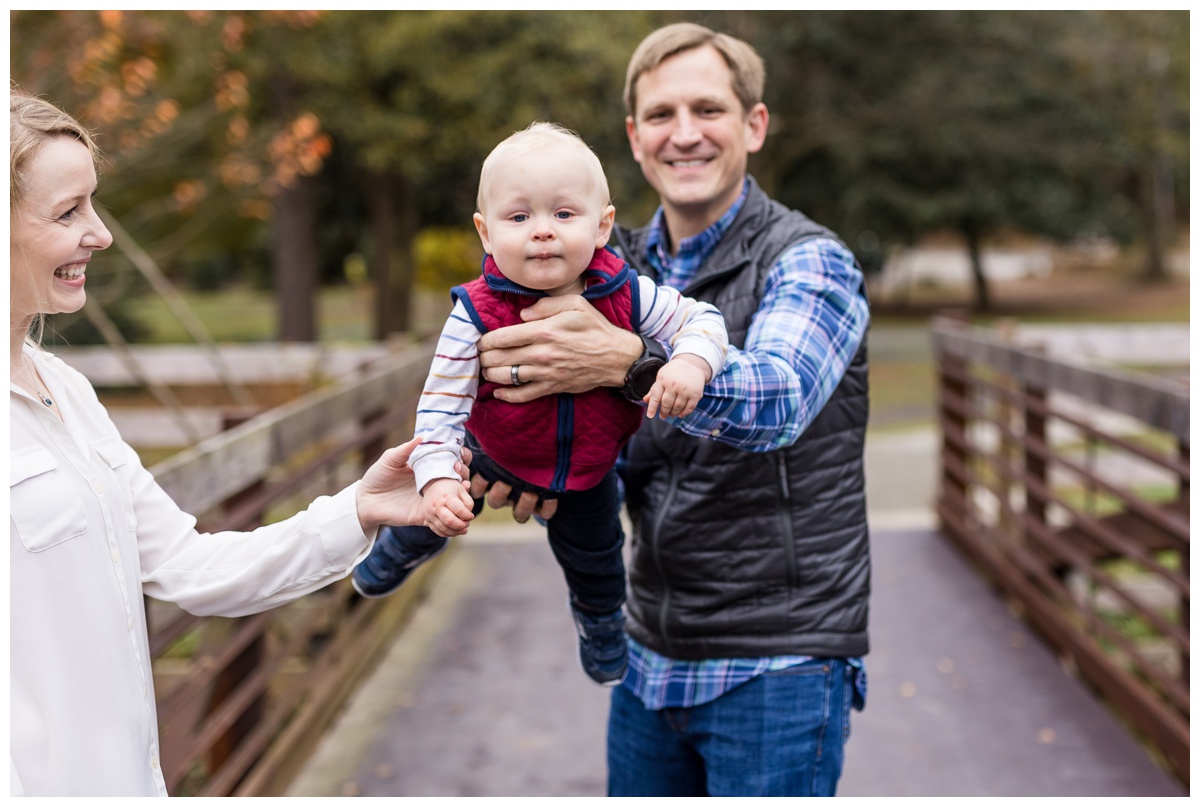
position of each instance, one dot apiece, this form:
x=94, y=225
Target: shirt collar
x=694, y=251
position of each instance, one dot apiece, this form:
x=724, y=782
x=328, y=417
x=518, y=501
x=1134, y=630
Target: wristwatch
x=641, y=374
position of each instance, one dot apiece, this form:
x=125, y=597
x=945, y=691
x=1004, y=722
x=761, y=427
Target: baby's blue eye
x=519, y=217
x=563, y=214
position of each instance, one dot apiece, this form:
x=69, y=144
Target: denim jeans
x=780, y=734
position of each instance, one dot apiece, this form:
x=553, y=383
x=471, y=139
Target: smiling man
x=750, y=574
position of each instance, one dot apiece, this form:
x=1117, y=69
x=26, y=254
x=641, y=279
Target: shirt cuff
x=712, y=355
x=435, y=465
x=341, y=532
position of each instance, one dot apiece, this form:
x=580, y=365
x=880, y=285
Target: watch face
x=644, y=376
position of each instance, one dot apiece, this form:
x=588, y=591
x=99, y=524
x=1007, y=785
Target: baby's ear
x=606, y=224
x=481, y=228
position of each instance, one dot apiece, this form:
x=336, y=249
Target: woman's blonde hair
x=32, y=123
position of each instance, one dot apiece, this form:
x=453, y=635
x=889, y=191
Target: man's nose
x=686, y=132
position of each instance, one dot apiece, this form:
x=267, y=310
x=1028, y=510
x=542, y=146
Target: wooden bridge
x=1036, y=643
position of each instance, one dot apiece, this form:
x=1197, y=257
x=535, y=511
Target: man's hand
x=564, y=345
x=388, y=493
x=446, y=507
x=497, y=497
x=678, y=387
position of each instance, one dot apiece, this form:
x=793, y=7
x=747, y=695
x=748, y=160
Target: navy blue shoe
x=397, y=551
x=603, y=648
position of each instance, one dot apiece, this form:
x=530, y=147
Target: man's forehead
x=671, y=78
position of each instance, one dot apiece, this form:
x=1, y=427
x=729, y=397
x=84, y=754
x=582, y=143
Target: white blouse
x=90, y=531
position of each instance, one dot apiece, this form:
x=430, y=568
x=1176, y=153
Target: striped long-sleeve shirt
x=682, y=324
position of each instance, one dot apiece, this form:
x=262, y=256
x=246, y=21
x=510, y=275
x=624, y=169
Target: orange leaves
x=299, y=150
x=188, y=194
x=233, y=91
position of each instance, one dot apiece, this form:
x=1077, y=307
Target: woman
x=91, y=531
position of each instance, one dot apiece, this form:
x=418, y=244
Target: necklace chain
x=35, y=382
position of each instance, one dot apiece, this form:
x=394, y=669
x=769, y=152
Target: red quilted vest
x=558, y=442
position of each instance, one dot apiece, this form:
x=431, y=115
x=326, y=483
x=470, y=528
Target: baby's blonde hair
x=537, y=137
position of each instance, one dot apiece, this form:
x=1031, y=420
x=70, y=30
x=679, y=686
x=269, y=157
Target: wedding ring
x=513, y=375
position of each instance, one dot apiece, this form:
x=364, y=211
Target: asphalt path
x=481, y=694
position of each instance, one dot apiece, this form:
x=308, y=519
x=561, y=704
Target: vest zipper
x=785, y=519
x=566, y=433
x=654, y=544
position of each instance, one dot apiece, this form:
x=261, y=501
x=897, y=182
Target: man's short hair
x=745, y=64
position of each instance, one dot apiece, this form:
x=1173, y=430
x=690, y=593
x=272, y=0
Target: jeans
x=780, y=734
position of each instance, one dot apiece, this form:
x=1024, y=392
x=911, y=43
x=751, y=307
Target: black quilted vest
x=739, y=553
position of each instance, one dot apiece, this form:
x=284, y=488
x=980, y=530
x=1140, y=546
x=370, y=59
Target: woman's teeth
x=70, y=272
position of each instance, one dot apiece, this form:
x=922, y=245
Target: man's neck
x=683, y=222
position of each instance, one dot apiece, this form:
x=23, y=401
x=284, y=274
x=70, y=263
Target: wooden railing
x=1068, y=485
x=242, y=702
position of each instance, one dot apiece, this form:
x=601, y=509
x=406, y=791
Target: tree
x=419, y=98
x=890, y=125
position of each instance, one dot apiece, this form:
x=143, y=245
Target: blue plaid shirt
x=809, y=324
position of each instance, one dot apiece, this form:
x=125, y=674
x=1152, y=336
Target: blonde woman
x=90, y=531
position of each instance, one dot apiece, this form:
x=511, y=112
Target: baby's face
x=542, y=218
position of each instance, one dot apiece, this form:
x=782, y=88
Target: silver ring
x=513, y=375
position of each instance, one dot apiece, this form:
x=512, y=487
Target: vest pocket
x=45, y=507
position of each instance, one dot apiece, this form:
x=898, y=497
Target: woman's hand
x=388, y=493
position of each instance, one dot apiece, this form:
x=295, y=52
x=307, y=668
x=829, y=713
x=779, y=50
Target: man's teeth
x=70, y=273
x=688, y=163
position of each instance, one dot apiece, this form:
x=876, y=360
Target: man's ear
x=481, y=228
x=631, y=133
x=756, y=127
x=606, y=224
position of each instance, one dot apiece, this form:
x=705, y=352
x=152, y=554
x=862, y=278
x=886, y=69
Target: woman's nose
x=97, y=236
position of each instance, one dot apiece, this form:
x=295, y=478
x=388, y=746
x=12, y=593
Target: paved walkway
x=481, y=694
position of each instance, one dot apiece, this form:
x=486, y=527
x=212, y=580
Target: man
x=749, y=577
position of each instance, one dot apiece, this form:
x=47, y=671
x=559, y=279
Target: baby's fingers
x=652, y=400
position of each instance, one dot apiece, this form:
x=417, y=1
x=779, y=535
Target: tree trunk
x=296, y=262
x=983, y=299
x=393, y=217
x=294, y=252
x=1157, y=214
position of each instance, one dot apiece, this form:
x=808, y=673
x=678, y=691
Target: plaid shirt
x=810, y=322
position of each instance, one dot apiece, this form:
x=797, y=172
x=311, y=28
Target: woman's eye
x=70, y=214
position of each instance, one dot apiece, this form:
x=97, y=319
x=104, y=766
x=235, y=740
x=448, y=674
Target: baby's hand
x=679, y=386
x=446, y=508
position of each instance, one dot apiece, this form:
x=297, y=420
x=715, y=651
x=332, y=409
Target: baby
x=544, y=219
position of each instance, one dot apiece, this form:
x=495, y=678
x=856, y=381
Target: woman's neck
x=18, y=330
